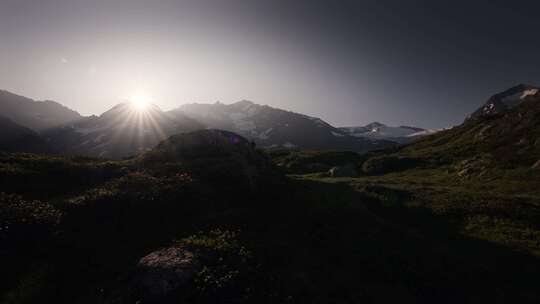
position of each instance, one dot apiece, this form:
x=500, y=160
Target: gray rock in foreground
x=165, y=271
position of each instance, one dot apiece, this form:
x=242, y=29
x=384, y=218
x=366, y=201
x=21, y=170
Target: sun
x=140, y=101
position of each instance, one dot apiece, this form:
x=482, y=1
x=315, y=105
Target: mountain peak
x=125, y=107
x=375, y=124
x=36, y=115
x=506, y=100
x=243, y=104
x=377, y=130
x=518, y=92
x=522, y=86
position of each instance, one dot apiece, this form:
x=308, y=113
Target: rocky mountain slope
x=503, y=101
x=379, y=131
x=504, y=134
x=273, y=128
x=204, y=218
x=36, y=115
x=121, y=131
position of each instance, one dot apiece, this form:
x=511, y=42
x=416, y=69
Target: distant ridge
x=271, y=127
x=119, y=132
x=380, y=131
x=36, y=115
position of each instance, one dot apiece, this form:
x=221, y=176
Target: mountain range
x=119, y=132
x=46, y=126
x=276, y=128
x=35, y=115
x=377, y=130
x=16, y=138
x=212, y=218
x=123, y=131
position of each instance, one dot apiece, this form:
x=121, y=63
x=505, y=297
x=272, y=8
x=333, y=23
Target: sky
x=420, y=63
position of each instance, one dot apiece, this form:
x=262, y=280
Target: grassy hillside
x=481, y=176
x=312, y=161
x=75, y=230
x=511, y=139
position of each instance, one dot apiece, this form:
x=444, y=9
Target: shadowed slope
x=36, y=115
x=120, y=132
x=16, y=138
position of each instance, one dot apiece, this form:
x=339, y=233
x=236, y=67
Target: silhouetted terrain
x=123, y=131
x=36, y=115
x=16, y=138
x=275, y=128
x=378, y=131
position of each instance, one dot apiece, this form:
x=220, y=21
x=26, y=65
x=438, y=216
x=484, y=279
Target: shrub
x=25, y=218
x=226, y=267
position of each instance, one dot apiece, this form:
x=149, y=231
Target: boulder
x=165, y=271
x=348, y=170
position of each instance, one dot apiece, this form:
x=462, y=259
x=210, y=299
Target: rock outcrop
x=165, y=271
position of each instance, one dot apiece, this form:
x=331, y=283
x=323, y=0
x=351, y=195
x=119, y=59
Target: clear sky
x=422, y=63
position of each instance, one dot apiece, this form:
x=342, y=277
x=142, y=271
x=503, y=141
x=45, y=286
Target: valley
x=208, y=216
x=269, y=152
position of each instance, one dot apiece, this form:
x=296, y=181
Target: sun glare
x=140, y=102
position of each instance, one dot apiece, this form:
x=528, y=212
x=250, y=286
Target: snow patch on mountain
x=380, y=131
x=264, y=135
x=506, y=100
x=515, y=99
x=269, y=126
x=320, y=123
x=99, y=138
x=423, y=133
